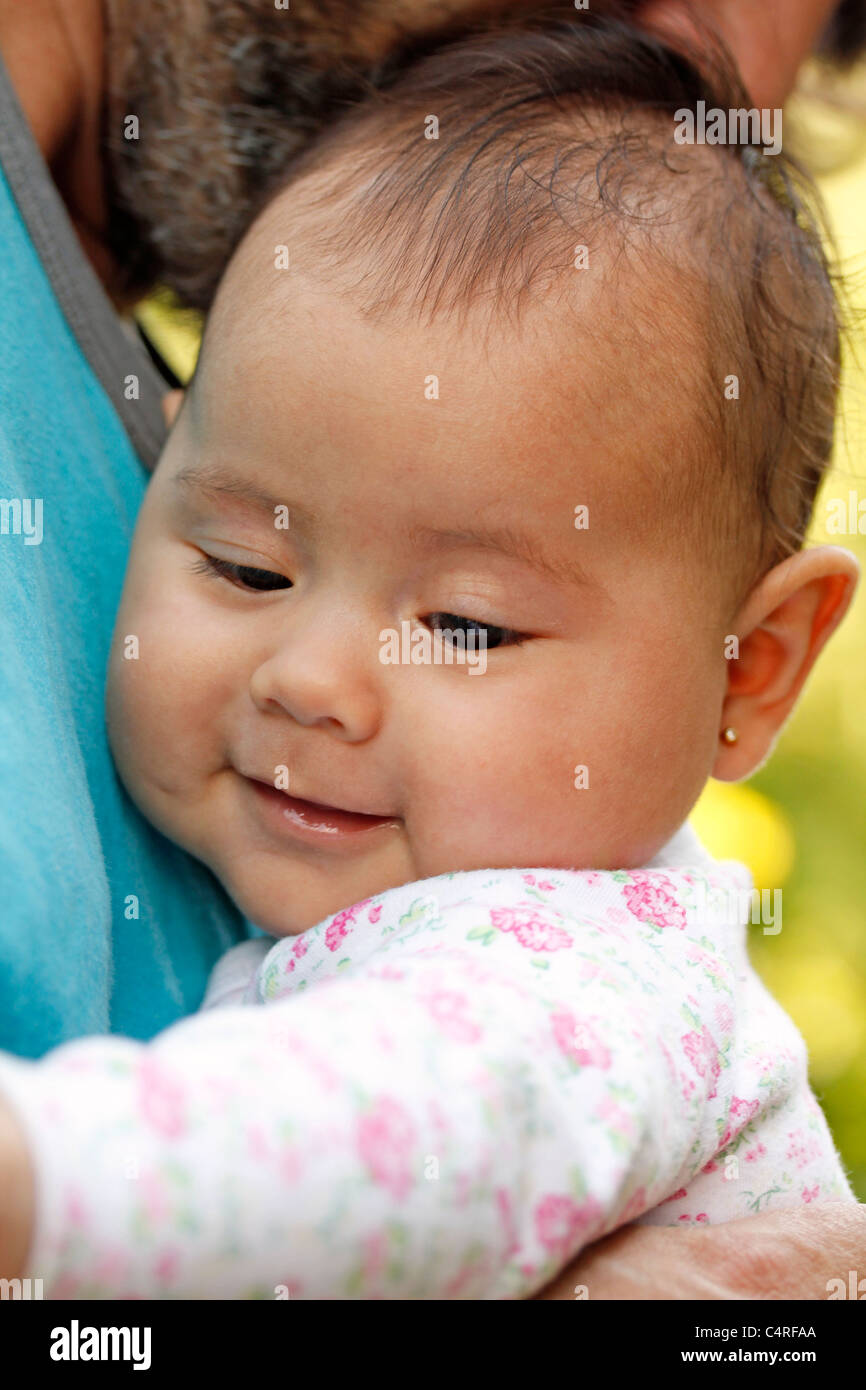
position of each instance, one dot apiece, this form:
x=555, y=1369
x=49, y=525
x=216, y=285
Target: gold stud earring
x=729, y=735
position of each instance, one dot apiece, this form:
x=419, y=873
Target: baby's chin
x=291, y=902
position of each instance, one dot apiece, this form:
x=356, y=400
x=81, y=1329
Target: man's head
x=483, y=379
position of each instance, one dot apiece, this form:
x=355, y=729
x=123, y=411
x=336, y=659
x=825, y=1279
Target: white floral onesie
x=450, y=1089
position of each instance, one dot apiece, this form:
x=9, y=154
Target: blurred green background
x=800, y=824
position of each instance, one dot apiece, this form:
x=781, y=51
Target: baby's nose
x=318, y=676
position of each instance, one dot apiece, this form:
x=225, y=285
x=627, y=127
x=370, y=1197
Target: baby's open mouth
x=312, y=820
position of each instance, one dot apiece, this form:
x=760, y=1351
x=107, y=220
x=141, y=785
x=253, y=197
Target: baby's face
x=259, y=643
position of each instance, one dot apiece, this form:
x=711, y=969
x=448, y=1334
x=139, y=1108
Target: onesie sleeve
x=454, y=1113
x=229, y=981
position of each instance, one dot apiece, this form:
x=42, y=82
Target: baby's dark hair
x=561, y=132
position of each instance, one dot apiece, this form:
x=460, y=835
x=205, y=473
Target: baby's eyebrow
x=219, y=482
x=502, y=540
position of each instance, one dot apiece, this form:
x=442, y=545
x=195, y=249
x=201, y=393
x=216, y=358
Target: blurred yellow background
x=800, y=824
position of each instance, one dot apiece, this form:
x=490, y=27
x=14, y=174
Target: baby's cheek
x=578, y=786
x=500, y=792
x=156, y=699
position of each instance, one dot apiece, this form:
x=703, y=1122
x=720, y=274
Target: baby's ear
x=781, y=631
x=171, y=404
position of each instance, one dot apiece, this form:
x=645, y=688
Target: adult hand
x=791, y=1254
x=768, y=38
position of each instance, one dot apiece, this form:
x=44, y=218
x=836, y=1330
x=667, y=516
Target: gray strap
x=112, y=353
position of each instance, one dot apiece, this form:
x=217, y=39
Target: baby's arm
x=455, y=1117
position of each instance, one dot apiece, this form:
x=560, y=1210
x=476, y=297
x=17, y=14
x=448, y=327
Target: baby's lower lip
x=309, y=820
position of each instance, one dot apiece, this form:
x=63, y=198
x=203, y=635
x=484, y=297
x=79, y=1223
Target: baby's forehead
x=563, y=398
x=308, y=245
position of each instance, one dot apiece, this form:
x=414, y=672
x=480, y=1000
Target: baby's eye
x=482, y=633
x=243, y=576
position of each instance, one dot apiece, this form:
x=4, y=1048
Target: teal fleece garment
x=104, y=926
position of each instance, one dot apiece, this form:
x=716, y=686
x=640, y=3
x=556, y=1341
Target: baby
x=504, y=370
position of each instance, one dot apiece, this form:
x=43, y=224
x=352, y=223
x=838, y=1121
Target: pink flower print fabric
x=445, y=1091
x=651, y=897
x=534, y=930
